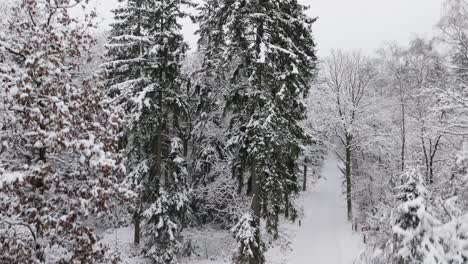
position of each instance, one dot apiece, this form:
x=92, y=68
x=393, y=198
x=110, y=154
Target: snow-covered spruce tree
x=246, y=233
x=130, y=85
x=414, y=226
x=145, y=53
x=165, y=215
x=58, y=162
x=425, y=228
x=268, y=50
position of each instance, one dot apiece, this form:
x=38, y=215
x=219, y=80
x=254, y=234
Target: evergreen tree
x=146, y=50
x=246, y=234
x=165, y=215
x=267, y=51
x=413, y=222
x=426, y=232
x=130, y=83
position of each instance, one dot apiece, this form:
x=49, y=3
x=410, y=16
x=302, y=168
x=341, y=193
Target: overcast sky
x=351, y=24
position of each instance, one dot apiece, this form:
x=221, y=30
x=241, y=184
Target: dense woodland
x=131, y=128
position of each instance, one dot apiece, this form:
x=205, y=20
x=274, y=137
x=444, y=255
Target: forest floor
x=324, y=236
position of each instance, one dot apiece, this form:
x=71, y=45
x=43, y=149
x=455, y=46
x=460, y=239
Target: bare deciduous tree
x=347, y=78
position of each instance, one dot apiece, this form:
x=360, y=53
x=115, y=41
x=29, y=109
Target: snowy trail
x=325, y=236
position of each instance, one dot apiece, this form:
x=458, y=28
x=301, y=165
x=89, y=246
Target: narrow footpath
x=325, y=236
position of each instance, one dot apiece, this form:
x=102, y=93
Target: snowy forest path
x=325, y=235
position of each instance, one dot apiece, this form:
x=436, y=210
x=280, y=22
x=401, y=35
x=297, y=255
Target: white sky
x=351, y=24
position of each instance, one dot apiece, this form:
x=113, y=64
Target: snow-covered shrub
x=165, y=216
x=375, y=255
x=219, y=203
x=249, y=245
x=459, y=177
x=207, y=243
x=162, y=230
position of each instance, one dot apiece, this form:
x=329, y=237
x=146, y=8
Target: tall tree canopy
x=145, y=55
x=268, y=53
x=58, y=162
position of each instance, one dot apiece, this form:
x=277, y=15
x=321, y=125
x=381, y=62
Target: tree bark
x=348, y=175
x=42, y=154
x=157, y=149
x=304, y=184
x=186, y=144
x=256, y=213
x=257, y=256
x=431, y=171
x=137, y=229
x=403, y=134
x=431, y=159
x=136, y=215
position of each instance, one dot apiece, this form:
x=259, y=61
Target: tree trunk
x=42, y=154
x=431, y=159
x=403, y=134
x=137, y=214
x=425, y=153
x=256, y=211
x=257, y=255
x=157, y=144
x=304, y=184
x=256, y=204
x=188, y=127
x=348, y=176
x=186, y=144
x=162, y=122
x=431, y=171
x=137, y=229
x=157, y=149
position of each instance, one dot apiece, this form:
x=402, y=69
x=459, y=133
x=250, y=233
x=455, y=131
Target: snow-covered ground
x=325, y=236
x=120, y=241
